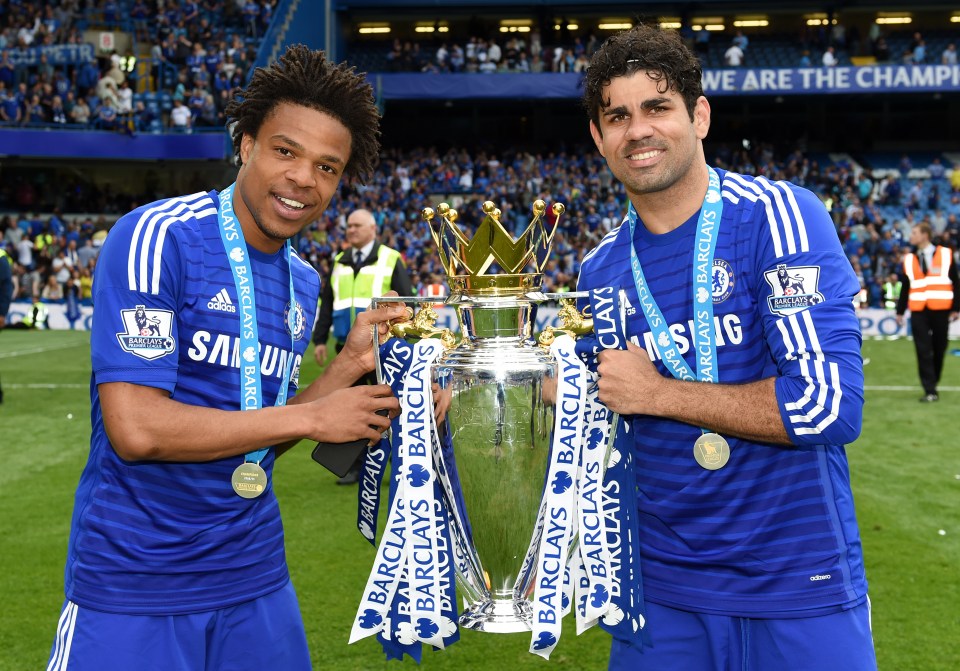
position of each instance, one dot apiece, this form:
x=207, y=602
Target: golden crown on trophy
x=469, y=262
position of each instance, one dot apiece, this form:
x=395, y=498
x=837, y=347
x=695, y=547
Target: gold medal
x=712, y=451
x=249, y=480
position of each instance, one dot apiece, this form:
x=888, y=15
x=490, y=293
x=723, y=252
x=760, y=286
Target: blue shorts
x=266, y=633
x=694, y=641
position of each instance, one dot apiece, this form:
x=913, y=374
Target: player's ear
x=701, y=117
x=246, y=146
x=597, y=135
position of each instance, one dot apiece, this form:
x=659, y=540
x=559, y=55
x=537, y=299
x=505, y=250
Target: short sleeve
x=136, y=292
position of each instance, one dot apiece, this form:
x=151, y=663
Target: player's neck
x=664, y=211
x=252, y=235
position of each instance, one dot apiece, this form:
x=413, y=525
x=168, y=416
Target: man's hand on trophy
x=359, y=345
x=320, y=354
x=628, y=380
x=351, y=414
x=548, y=390
x=441, y=402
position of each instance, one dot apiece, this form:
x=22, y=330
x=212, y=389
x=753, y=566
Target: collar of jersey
x=644, y=236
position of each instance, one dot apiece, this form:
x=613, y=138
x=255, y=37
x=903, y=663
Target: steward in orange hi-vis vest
x=931, y=290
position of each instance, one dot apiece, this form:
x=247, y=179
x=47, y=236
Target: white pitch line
x=39, y=350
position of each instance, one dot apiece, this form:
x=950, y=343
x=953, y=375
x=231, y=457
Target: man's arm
x=6, y=288
x=955, y=281
x=321, y=330
x=144, y=423
x=904, y=298
x=400, y=281
x=631, y=385
x=816, y=396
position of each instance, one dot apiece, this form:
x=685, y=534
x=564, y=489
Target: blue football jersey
x=773, y=533
x=171, y=538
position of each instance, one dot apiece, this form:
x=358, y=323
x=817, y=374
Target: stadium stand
x=201, y=47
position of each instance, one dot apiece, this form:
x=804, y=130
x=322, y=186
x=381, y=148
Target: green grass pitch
x=905, y=470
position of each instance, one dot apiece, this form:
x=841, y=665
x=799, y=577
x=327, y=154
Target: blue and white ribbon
x=560, y=496
x=241, y=268
x=593, y=576
x=395, y=358
x=624, y=618
x=423, y=571
x=704, y=334
x=408, y=598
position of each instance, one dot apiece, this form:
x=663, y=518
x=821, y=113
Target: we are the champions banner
x=718, y=82
x=864, y=79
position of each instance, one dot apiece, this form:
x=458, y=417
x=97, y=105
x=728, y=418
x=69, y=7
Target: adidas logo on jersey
x=815, y=578
x=221, y=302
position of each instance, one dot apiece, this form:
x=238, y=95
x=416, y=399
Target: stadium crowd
x=820, y=46
x=199, y=53
x=873, y=213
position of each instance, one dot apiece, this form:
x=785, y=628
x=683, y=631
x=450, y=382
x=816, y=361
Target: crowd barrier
x=873, y=322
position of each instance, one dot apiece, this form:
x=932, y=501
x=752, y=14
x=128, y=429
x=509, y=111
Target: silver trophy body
x=498, y=385
x=500, y=427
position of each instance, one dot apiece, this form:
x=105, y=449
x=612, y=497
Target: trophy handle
x=573, y=323
x=422, y=324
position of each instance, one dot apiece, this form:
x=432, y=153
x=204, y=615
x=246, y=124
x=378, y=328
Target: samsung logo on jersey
x=727, y=329
x=223, y=350
x=815, y=578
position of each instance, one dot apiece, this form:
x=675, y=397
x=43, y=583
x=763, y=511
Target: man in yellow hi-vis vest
x=363, y=271
x=931, y=289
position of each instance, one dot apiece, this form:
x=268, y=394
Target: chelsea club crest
x=722, y=280
x=297, y=323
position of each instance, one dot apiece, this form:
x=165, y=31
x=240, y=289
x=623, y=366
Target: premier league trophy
x=499, y=420
x=504, y=490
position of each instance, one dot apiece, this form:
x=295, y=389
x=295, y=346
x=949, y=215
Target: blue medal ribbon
x=704, y=337
x=251, y=390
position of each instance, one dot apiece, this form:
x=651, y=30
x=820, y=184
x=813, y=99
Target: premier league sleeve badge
x=795, y=288
x=148, y=333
